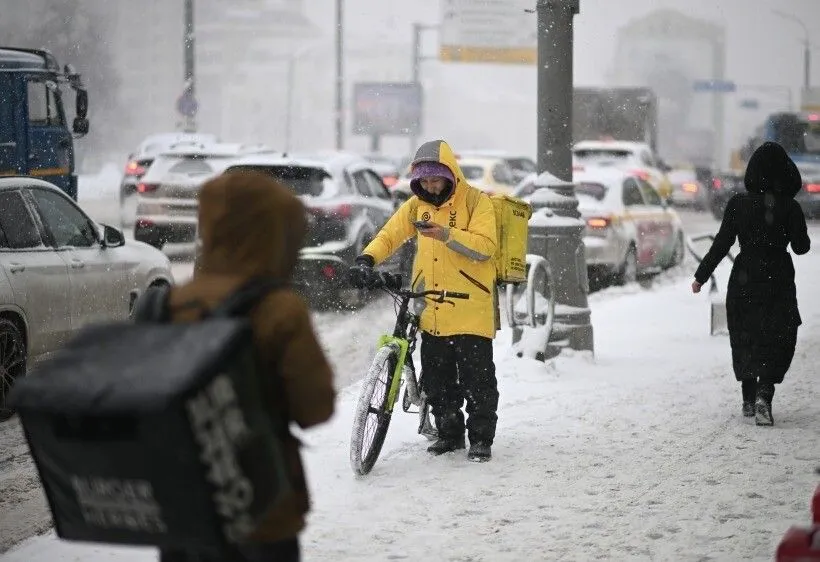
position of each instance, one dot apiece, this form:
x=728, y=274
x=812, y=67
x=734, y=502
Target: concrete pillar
x=555, y=41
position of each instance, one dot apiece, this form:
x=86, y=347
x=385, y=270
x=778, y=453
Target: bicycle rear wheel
x=372, y=416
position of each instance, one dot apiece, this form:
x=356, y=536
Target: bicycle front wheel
x=372, y=416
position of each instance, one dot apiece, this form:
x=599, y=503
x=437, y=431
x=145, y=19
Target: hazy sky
x=494, y=105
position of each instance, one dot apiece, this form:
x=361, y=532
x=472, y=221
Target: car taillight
x=147, y=187
x=577, y=168
x=716, y=183
x=643, y=174
x=690, y=187
x=343, y=211
x=144, y=223
x=812, y=187
x=329, y=271
x=390, y=181
x=133, y=168
x=599, y=222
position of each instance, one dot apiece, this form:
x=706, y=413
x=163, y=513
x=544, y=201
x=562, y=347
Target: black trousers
x=455, y=369
x=283, y=551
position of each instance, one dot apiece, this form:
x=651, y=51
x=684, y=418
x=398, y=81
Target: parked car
x=637, y=157
x=347, y=204
x=809, y=196
x=61, y=271
x=167, y=194
x=141, y=159
x=724, y=185
x=520, y=165
x=687, y=189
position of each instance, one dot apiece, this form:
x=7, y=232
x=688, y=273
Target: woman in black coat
x=761, y=300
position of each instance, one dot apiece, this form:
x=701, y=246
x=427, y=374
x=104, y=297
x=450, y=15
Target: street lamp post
x=806, y=45
x=339, y=74
x=189, y=39
x=555, y=39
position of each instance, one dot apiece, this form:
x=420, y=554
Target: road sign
x=387, y=108
x=715, y=86
x=491, y=32
x=750, y=104
x=187, y=105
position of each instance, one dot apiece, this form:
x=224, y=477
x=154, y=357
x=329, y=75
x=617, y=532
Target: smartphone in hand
x=422, y=224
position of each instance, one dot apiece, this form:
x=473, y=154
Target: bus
x=798, y=133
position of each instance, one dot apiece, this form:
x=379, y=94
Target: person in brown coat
x=252, y=226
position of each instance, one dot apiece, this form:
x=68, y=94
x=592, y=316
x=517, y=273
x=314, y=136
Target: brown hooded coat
x=253, y=226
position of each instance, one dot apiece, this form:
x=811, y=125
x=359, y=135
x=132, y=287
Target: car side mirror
x=112, y=237
x=81, y=126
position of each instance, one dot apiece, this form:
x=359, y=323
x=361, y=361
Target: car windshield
x=596, y=191
x=196, y=166
x=521, y=165
x=472, y=172
x=302, y=180
x=602, y=155
x=798, y=136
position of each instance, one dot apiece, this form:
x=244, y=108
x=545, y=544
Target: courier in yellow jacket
x=457, y=256
x=454, y=253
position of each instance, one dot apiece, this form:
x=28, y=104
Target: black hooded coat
x=761, y=300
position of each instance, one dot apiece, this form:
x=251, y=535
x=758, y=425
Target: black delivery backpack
x=155, y=433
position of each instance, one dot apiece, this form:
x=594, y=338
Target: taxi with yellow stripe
x=629, y=231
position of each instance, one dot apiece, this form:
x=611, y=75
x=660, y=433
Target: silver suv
x=168, y=193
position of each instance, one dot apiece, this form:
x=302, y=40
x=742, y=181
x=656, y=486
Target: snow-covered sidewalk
x=637, y=454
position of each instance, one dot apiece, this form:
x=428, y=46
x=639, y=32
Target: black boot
x=763, y=404
x=479, y=452
x=446, y=445
x=749, y=390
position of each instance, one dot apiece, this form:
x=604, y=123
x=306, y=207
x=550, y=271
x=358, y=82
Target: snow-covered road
x=639, y=453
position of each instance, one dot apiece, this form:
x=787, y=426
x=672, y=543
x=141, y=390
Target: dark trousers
x=455, y=369
x=283, y=551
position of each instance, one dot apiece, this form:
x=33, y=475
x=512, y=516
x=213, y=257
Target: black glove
x=361, y=275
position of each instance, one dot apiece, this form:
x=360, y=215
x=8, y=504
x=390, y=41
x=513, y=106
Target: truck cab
x=35, y=139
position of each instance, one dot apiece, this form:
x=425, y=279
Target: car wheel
x=12, y=362
x=628, y=272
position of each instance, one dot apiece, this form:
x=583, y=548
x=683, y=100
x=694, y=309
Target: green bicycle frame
x=393, y=392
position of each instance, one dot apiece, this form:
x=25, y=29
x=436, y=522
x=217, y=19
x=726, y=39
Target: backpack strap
x=473, y=196
x=242, y=301
x=152, y=305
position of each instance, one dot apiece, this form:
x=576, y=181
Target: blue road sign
x=187, y=105
x=716, y=86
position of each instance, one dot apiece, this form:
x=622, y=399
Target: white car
x=60, y=271
x=636, y=157
x=140, y=161
x=167, y=195
x=629, y=230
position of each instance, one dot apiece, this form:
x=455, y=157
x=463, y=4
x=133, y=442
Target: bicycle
x=391, y=365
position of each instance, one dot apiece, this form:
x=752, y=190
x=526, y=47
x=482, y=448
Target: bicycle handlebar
x=392, y=283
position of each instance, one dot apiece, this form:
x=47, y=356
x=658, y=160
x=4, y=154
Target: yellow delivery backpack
x=512, y=217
